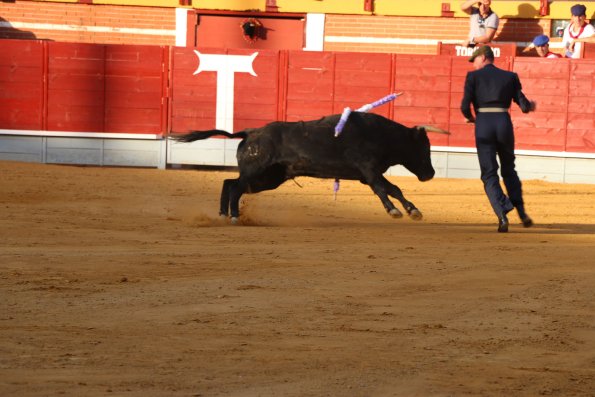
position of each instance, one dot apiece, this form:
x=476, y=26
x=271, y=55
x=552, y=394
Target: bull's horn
x=429, y=128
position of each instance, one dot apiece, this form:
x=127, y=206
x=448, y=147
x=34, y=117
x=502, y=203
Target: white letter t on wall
x=225, y=66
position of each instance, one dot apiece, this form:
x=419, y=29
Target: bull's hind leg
x=395, y=192
x=236, y=190
x=268, y=179
x=224, y=201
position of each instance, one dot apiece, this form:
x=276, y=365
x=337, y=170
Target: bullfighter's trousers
x=494, y=138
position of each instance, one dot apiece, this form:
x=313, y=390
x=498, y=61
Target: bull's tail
x=198, y=135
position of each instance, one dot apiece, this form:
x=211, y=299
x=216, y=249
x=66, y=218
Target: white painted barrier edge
x=68, y=134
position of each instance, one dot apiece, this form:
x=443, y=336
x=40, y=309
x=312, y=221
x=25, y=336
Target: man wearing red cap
x=578, y=31
x=491, y=91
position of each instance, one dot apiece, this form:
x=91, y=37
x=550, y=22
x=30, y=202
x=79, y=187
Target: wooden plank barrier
x=78, y=87
x=156, y=90
x=22, y=84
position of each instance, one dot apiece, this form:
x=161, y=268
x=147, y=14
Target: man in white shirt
x=577, y=32
x=483, y=22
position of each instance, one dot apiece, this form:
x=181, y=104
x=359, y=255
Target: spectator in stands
x=577, y=31
x=483, y=22
x=491, y=91
x=542, y=46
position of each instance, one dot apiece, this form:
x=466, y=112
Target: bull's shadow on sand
x=282, y=220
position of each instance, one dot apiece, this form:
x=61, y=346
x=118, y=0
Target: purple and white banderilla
x=364, y=109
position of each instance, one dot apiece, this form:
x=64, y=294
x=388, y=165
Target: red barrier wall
x=83, y=87
x=22, y=91
x=144, y=89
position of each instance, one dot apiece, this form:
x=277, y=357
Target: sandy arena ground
x=124, y=282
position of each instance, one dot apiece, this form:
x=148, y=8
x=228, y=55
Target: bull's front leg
x=395, y=192
x=379, y=188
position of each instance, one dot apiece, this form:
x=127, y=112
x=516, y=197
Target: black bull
x=368, y=145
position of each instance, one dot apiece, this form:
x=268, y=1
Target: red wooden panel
x=460, y=68
x=20, y=114
x=580, y=140
x=132, y=120
x=203, y=89
x=422, y=116
x=133, y=60
x=186, y=124
x=147, y=85
x=461, y=134
x=256, y=97
x=539, y=138
x=353, y=70
x=134, y=89
x=310, y=76
x=581, y=126
x=307, y=110
x=580, y=121
x=76, y=98
x=130, y=100
x=457, y=84
x=76, y=80
x=422, y=74
x=543, y=86
x=582, y=79
x=362, y=79
x=16, y=73
x=425, y=82
x=439, y=139
x=21, y=84
x=426, y=99
x=80, y=51
x=22, y=53
x=586, y=104
x=309, y=85
x=63, y=117
x=422, y=65
x=455, y=101
x=541, y=68
x=22, y=91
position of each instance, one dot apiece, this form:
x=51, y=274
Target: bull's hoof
x=395, y=213
x=235, y=220
x=415, y=214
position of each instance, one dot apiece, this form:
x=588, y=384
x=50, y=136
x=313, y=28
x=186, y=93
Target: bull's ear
x=429, y=128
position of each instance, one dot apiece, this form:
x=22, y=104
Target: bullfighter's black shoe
x=502, y=224
x=527, y=221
